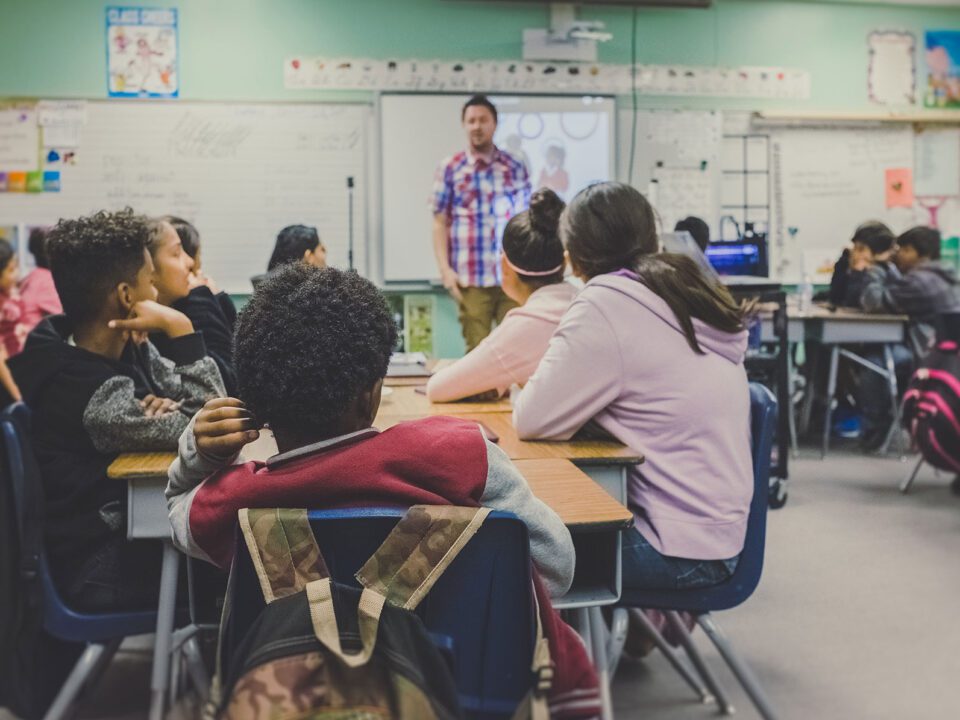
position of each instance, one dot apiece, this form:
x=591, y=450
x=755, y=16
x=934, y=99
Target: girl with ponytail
x=533, y=267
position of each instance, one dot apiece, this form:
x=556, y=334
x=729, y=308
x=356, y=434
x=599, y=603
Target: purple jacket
x=620, y=358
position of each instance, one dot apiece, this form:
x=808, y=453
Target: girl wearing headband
x=533, y=265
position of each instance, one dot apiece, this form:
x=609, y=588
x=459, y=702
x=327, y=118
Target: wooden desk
x=412, y=381
x=407, y=402
x=594, y=451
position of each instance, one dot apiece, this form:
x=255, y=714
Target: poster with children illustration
x=943, y=69
x=142, y=57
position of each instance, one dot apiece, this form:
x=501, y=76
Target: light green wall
x=234, y=49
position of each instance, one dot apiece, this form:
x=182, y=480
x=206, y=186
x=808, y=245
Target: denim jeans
x=644, y=568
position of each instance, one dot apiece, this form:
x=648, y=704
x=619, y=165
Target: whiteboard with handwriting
x=239, y=172
x=826, y=181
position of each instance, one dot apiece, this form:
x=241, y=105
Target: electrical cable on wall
x=633, y=86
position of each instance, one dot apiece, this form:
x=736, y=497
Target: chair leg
x=199, y=677
x=743, y=673
x=619, y=627
x=698, y=662
x=87, y=666
x=894, y=430
x=907, y=482
x=671, y=655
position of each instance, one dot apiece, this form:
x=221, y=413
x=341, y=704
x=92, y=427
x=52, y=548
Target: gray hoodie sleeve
x=185, y=476
x=551, y=546
x=190, y=375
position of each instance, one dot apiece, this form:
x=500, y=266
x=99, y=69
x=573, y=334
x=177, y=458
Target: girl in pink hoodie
x=533, y=266
x=652, y=351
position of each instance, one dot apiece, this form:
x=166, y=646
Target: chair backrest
x=24, y=474
x=483, y=601
x=740, y=585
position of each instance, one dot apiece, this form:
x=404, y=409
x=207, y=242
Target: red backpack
x=931, y=407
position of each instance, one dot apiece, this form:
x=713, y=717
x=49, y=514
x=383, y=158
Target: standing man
x=474, y=195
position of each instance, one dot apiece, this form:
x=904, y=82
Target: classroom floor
x=855, y=616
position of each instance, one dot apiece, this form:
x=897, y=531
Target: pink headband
x=532, y=273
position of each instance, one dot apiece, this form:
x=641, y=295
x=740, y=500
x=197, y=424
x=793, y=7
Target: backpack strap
x=418, y=550
x=283, y=549
x=324, y=618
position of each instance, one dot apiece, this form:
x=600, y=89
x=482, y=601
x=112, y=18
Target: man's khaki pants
x=478, y=310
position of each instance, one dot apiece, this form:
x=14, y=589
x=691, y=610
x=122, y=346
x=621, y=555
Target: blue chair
x=740, y=585
x=483, y=602
x=102, y=632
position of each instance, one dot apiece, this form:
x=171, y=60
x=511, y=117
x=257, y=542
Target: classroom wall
x=234, y=49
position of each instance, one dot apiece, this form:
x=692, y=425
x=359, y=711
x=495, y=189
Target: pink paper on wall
x=899, y=187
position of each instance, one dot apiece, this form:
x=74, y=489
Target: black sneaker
x=872, y=439
x=955, y=485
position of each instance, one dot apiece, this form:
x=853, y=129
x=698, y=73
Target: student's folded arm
x=478, y=371
x=115, y=421
x=190, y=375
x=579, y=376
x=184, y=478
x=551, y=546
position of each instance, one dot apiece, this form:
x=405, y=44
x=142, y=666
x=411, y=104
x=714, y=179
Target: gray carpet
x=853, y=618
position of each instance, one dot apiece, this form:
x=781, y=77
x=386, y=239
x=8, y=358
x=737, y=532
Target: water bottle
x=806, y=294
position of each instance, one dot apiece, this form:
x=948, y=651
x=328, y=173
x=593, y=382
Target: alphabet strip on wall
x=522, y=76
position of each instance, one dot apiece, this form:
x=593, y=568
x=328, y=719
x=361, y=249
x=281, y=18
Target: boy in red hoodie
x=312, y=348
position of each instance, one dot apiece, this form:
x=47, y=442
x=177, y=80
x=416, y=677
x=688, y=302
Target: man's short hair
x=925, y=240
x=308, y=343
x=697, y=228
x=875, y=235
x=91, y=255
x=482, y=101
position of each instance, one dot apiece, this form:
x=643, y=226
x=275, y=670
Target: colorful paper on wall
x=142, y=52
x=16, y=182
x=899, y=187
x=3, y=182
x=35, y=181
x=943, y=69
x=51, y=181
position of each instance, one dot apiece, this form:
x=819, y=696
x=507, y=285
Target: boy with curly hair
x=97, y=388
x=312, y=348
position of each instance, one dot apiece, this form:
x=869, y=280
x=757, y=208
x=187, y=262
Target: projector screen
x=565, y=142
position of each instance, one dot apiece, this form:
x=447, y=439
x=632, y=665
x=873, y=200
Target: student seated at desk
x=295, y=243
x=312, y=350
x=919, y=286
x=96, y=389
x=652, y=351
x=872, y=249
x=37, y=291
x=190, y=241
x=533, y=265
x=177, y=288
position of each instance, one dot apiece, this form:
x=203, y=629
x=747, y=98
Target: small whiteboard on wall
x=826, y=181
x=239, y=172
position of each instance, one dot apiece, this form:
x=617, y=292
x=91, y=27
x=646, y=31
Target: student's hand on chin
x=148, y=316
x=223, y=427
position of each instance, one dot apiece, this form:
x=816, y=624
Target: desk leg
x=894, y=401
x=166, y=611
x=598, y=635
x=831, y=390
x=792, y=417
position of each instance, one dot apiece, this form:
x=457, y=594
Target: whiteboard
x=239, y=172
x=680, y=150
x=418, y=131
x=826, y=181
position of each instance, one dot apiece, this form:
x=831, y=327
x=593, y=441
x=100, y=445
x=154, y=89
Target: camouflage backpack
x=321, y=649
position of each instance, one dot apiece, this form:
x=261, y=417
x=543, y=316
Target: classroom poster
x=891, y=73
x=943, y=69
x=142, y=52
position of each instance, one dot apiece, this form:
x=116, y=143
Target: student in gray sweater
x=97, y=388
